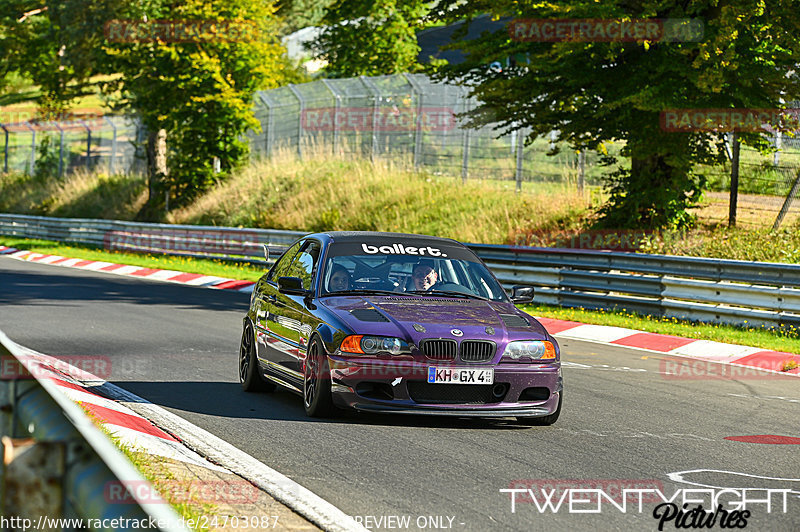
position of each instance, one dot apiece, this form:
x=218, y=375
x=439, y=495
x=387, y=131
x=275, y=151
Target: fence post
x=376, y=101
x=581, y=170
x=465, y=140
x=337, y=105
x=299, y=97
x=88, y=143
x=5, y=150
x=60, y=150
x=33, y=149
x=787, y=202
x=270, y=120
x=418, y=132
x=776, y=157
x=520, y=143
x=113, y=145
x=734, y=195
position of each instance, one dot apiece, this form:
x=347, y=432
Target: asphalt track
x=624, y=423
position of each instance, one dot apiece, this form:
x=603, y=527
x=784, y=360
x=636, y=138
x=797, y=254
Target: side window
x=282, y=266
x=304, y=263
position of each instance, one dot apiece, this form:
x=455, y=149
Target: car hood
x=418, y=317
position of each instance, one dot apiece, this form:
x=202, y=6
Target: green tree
x=56, y=44
x=299, y=14
x=364, y=37
x=594, y=92
x=198, y=94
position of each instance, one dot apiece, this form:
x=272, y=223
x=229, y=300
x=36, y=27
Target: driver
x=424, y=275
x=339, y=280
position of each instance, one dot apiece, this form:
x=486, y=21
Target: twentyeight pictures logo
x=681, y=508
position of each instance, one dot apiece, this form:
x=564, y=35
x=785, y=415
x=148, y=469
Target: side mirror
x=521, y=294
x=291, y=286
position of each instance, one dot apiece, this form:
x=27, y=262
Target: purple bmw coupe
x=397, y=323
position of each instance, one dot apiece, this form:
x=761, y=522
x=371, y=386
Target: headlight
x=373, y=345
x=530, y=350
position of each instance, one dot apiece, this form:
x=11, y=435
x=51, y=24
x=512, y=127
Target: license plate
x=442, y=375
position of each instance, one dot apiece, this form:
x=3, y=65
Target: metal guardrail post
x=302, y=102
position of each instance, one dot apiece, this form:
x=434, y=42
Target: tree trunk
x=156, y=150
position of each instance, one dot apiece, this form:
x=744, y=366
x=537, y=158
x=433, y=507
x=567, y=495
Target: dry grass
x=331, y=192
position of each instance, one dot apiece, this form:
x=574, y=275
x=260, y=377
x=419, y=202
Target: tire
x=317, y=381
x=249, y=376
x=543, y=421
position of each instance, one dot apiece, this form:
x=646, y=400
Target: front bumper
x=528, y=390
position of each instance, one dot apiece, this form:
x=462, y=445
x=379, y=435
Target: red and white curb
x=132, y=430
x=192, y=279
x=128, y=417
x=718, y=352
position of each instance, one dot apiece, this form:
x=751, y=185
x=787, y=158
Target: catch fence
x=413, y=121
x=112, y=144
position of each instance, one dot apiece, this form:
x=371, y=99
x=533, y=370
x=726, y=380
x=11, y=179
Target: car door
x=266, y=293
x=289, y=318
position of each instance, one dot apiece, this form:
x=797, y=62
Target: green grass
x=786, y=339
x=165, y=262
x=154, y=470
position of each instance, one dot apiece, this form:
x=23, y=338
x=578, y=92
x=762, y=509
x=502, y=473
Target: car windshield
x=444, y=271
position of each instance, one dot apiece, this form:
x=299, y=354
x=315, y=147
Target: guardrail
x=63, y=467
x=715, y=290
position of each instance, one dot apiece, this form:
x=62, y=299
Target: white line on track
x=285, y=490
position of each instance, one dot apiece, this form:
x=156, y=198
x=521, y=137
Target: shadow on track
x=53, y=287
x=227, y=400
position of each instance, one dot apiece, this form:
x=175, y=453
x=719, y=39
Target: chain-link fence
x=766, y=183
x=111, y=144
x=410, y=118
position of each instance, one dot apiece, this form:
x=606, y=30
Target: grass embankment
x=325, y=192
x=786, y=339
x=321, y=193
